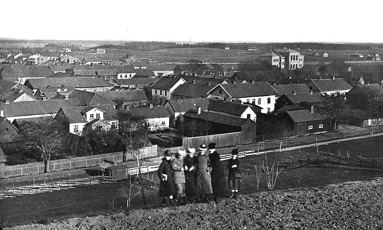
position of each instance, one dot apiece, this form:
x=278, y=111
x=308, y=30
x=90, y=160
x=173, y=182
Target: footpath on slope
x=345, y=133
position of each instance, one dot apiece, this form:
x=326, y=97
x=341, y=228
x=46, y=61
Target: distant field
x=180, y=55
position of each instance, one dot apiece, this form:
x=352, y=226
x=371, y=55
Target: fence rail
x=72, y=163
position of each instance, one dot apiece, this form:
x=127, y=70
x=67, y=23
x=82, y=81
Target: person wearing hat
x=190, y=166
x=234, y=173
x=179, y=175
x=203, y=174
x=217, y=175
x=165, y=174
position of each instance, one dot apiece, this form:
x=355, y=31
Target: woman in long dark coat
x=165, y=173
x=234, y=173
x=217, y=175
x=179, y=175
x=203, y=172
x=190, y=165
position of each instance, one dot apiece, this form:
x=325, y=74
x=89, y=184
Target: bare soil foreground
x=355, y=205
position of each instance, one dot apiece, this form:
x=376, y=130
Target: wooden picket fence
x=329, y=158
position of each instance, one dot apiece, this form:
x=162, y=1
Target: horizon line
x=188, y=42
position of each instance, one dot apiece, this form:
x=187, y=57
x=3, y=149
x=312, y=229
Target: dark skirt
x=167, y=188
x=191, y=185
x=235, y=180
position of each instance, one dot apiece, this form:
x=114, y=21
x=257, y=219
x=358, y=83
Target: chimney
x=2, y=113
x=294, y=92
x=208, y=84
x=199, y=110
x=194, y=81
x=252, y=82
x=150, y=105
x=311, y=92
x=333, y=78
x=312, y=109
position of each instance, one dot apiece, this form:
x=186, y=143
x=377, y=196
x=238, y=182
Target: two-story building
x=257, y=93
x=275, y=59
x=293, y=58
x=163, y=88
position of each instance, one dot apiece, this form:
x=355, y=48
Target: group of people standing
x=197, y=174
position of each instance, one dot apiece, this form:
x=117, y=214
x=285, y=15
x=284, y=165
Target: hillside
x=356, y=205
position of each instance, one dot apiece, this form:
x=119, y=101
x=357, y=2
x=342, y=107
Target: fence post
x=308, y=158
x=286, y=164
x=280, y=147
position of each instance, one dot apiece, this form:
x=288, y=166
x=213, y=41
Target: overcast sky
x=196, y=20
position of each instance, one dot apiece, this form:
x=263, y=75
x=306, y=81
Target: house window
x=155, y=91
x=91, y=116
x=268, y=110
x=114, y=125
x=248, y=116
x=268, y=100
x=320, y=126
x=75, y=129
x=99, y=127
x=248, y=100
x=97, y=116
x=163, y=122
x=220, y=91
x=310, y=127
x=254, y=101
x=259, y=101
x=6, y=129
x=166, y=93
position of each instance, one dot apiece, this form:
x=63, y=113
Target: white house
x=157, y=118
x=80, y=117
x=256, y=93
x=329, y=86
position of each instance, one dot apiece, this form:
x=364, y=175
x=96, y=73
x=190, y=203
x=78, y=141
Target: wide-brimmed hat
x=235, y=152
x=212, y=145
x=167, y=153
x=181, y=152
x=203, y=147
x=191, y=150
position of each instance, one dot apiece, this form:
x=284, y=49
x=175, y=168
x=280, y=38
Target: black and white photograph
x=196, y=114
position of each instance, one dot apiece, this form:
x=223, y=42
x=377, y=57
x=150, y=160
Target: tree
x=333, y=106
x=45, y=136
x=133, y=131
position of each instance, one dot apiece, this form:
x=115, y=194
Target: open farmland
x=108, y=198
x=178, y=55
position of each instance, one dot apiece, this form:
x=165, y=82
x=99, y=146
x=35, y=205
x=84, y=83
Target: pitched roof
x=231, y=108
x=291, y=89
x=165, y=83
x=183, y=105
x=61, y=67
x=77, y=82
x=17, y=71
x=126, y=95
x=298, y=98
x=147, y=113
x=90, y=98
x=248, y=89
x=304, y=116
x=29, y=108
x=332, y=84
x=216, y=118
x=192, y=90
x=136, y=81
x=74, y=114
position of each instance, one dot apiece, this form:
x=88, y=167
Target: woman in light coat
x=179, y=175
